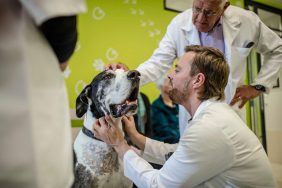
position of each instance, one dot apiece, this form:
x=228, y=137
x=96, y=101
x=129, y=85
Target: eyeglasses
x=207, y=13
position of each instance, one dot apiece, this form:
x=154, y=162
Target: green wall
x=125, y=31
x=271, y=3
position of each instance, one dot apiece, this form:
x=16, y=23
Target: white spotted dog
x=110, y=93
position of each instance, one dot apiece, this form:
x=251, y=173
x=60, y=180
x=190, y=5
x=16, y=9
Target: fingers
x=243, y=102
x=100, y=127
x=128, y=120
x=114, y=66
x=96, y=129
x=110, y=121
x=235, y=100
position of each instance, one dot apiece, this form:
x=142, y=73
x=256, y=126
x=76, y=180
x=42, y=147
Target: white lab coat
x=240, y=27
x=35, y=130
x=216, y=151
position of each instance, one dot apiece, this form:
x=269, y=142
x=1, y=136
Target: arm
x=106, y=129
x=61, y=33
x=162, y=58
x=269, y=45
x=58, y=25
x=193, y=163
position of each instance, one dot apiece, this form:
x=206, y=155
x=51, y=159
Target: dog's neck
x=89, y=120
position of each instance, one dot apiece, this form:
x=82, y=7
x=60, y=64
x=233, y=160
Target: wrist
x=259, y=87
x=121, y=149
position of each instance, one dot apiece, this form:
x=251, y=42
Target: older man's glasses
x=207, y=13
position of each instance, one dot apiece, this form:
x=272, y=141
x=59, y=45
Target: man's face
x=180, y=79
x=206, y=13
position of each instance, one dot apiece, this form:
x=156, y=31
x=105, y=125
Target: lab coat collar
x=191, y=32
x=231, y=28
x=203, y=106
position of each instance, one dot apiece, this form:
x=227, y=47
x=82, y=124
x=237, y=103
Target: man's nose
x=201, y=16
x=133, y=74
x=169, y=77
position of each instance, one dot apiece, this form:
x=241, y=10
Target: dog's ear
x=82, y=101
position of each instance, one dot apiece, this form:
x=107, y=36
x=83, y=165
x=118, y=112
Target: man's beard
x=176, y=96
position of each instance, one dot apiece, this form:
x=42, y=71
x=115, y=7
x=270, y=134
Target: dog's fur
x=110, y=92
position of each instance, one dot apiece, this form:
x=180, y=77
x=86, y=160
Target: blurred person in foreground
x=37, y=39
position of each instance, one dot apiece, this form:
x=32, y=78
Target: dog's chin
x=128, y=109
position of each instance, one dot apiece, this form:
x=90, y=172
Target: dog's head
x=110, y=93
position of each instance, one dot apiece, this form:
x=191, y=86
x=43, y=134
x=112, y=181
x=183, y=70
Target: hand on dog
x=106, y=129
x=129, y=125
x=114, y=66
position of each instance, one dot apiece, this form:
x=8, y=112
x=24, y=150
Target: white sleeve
x=270, y=46
x=203, y=152
x=162, y=58
x=156, y=151
x=42, y=10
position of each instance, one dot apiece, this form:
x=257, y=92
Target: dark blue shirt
x=165, y=122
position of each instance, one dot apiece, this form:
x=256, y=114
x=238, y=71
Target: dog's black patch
x=84, y=178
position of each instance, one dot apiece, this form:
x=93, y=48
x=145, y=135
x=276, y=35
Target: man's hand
x=106, y=129
x=114, y=66
x=63, y=66
x=243, y=94
x=138, y=139
x=129, y=126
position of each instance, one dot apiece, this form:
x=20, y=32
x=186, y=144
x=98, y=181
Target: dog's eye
x=108, y=76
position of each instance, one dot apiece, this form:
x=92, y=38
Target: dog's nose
x=133, y=74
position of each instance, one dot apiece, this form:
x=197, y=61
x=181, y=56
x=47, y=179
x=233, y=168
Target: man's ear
x=199, y=80
x=82, y=101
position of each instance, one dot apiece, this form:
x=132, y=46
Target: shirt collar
x=203, y=106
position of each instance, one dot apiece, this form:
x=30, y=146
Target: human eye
x=197, y=10
x=209, y=13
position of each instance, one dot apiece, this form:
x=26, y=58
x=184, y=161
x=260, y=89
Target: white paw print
x=79, y=86
x=99, y=65
x=111, y=54
x=98, y=13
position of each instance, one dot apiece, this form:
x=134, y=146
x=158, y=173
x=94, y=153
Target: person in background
x=235, y=32
x=216, y=150
x=37, y=39
x=164, y=114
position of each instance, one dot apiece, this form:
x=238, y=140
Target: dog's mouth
x=128, y=107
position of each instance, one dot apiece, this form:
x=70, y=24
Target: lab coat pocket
x=238, y=67
x=241, y=52
x=238, y=56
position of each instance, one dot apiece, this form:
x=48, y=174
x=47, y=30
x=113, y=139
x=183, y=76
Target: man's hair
x=211, y=63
